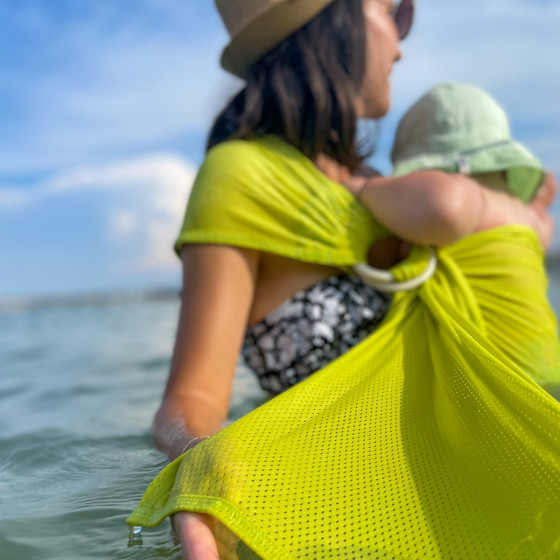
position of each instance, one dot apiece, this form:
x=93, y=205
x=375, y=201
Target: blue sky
x=105, y=105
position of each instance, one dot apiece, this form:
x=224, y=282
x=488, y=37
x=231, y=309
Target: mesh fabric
x=430, y=439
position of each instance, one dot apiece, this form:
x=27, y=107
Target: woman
x=312, y=69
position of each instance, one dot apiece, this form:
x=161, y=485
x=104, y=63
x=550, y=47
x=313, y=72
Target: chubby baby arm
x=435, y=208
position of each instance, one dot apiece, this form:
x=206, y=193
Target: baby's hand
x=336, y=172
x=332, y=169
x=355, y=185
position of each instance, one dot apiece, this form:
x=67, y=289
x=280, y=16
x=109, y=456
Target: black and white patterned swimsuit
x=311, y=329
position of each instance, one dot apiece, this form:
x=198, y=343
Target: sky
x=105, y=107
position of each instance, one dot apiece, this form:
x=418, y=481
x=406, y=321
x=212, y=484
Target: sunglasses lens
x=403, y=17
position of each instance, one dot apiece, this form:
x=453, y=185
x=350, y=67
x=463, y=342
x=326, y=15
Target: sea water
x=79, y=387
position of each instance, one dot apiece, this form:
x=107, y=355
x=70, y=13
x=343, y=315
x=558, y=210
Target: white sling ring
x=384, y=281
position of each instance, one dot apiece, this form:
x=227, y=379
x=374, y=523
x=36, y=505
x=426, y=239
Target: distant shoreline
x=110, y=297
x=14, y=304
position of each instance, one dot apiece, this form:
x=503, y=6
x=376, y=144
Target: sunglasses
x=403, y=15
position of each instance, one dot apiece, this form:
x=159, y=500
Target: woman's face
x=382, y=51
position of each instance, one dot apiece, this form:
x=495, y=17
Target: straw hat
x=460, y=128
x=256, y=26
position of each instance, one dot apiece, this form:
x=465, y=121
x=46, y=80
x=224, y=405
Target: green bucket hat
x=459, y=128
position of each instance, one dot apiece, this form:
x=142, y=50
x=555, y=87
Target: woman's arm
x=218, y=287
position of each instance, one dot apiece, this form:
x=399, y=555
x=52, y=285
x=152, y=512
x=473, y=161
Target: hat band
x=267, y=30
x=486, y=147
x=463, y=163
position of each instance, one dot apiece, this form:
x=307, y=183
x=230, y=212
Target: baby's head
x=459, y=128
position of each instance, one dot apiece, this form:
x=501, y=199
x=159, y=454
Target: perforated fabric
x=431, y=439
x=442, y=447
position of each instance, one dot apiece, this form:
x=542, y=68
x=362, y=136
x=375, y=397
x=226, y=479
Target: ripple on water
x=13, y=391
x=14, y=550
x=100, y=533
x=63, y=455
x=74, y=495
x=155, y=364
x=78, y=393
x=30, y=353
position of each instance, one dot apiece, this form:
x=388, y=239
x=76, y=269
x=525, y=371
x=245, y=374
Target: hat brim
x=524, y=170
x=266, y=31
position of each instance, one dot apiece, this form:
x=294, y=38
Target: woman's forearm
x=218, y=288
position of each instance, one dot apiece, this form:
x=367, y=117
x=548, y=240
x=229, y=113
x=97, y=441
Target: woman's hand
x=169, y=429
x=196, y=533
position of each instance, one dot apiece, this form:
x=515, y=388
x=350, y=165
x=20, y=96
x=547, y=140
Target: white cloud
x=158, y=255
x=123, y=224
x=12, y=198
x=156, y=187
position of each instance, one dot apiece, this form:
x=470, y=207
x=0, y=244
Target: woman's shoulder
x=231, y=149
x=240, y=180
x=246, y=154
x=266, y=169
x=240, y=168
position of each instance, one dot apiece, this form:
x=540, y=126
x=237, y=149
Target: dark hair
x=305, y=89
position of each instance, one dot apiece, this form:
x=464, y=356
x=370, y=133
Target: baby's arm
x=436, y=208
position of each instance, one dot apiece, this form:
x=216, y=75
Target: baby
x=459, y=128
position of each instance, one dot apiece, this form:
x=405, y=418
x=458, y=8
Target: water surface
x=78, y=391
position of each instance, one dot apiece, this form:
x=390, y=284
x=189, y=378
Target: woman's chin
x=377, y=110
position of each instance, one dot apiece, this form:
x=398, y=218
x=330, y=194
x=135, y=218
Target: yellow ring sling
x=430, y=439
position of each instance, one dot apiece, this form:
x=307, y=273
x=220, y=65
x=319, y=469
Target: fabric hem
x=222, y=510
x=304, y=254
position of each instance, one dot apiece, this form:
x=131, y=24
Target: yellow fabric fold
x=431, y=439
x=264, y=194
